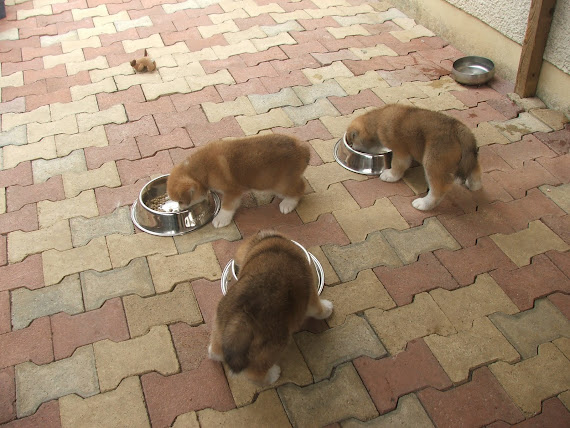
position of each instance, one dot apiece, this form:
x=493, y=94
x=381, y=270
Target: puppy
x=144, y=63
x=275, y=291
x=445, y=146
x=233, y=167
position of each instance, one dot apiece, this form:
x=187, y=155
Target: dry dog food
x=158, y=203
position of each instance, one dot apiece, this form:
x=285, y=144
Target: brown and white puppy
x=274, y=293
x=445, y=147
x=233, y=167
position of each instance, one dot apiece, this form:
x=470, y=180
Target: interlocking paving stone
x=560, y=195
x=301, y=115
x=84, y=230
x=527, y=330
x=535, y=379
x=123, y=406
x=464, y=305
x=30, y=344
x=28, y=273
x=8, y=397
x=124, y=248
x=21, y=244
x=28, y=305
x=253, y=124
x=178, y=305
x=363, y=293
x=37, y=384
x=151, y=352
x=44, y=169
x=70, y=332
x=216, y=111
x=262, y=103
x=188, y=242
x=310, y=94
x=521, y=246
x=342, y=343
x=470, y=348
x=398, y=326
x=322, y=176
x=75, y=183
x=44, y=149
x=328, y=401
x=83, y=204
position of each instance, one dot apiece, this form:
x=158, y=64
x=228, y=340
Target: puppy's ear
x=352, y=135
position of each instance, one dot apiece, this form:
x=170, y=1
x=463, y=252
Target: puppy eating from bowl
x=274, y=293
x=445, y=147
x=272, y=162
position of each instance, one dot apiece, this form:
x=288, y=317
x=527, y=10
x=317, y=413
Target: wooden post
x=537, y=29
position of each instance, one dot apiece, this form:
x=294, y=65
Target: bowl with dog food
x=473, y=70
x=360, y=162
x=231, y=271
x=153, y=212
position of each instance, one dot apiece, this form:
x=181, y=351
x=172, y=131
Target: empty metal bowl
x=154, y=213
x=230, y=274
x=473, y=70
x=360, y=162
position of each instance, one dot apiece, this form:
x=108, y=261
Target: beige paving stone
x=301, y=115
x=336, y=197
x=115, y=114
x=351, y=30
x=365, y=292
x=325, y=149
x=528, y=104
x=124, y=69
x=277, y=40
x=445, y=101
x=290, y=16
x=105, y=176
x=99, y=62
x=188, y=242
x=351, y=259
x=152, y=91
x=86, y=105
x=37, y=131
x=553, y=118
x=480, y=345
x=340, y=10
x=464, y=305
x=563, y=344
x=12, y=120
x=434, y=88
x=143, y=21
x=341, y=397
x=253, y=9
x=205, y=54
x=160, y=52
x=410, y=243
x=415, y=178
x=99, y=21
x=521, y=246
x=2, y=200
x=392, y=95
x=224, y=52
x=21, y=244
x=218, y=18
x=180, y=71
x=529, y=329
x=29, y=13
x=44, y=149
x=404, y=22
x=322, y=176
x=99, y=287
x=177, y=305
x=58, y=264
x=524, y=124
x=79, y=92
x=565, y=398
x=326, y=350
x=124, y=248
x=409, y=414
x=71, y=45
x=119, y=360
x=85, y=33
x=38, y=384
x=293, y=370
x=531, y=381
x=124, y=406
x=319, y=75
x=264, y=103
x=353, y=85
x=253, y=33
x=51, y=61
x=560, y=195
x=126, y=81
x=46, y=41
x=28, y=305
x=330, y=275
x=357, y=224
x=85, y=229
x=217, y=111
x=251, y=125
x=42, y=169
x=16, y=136
x=9, y=34
x=362, y=18
x=266, y=411
x=211, y=30
x=406, y=35
x=95, y=137
x=486, y=134
x=172, y=8
x=312, y=93
x=154, y=41
x=79, y=14
x=187, y=420
x=220, y=77
x=50, y=212
x=337, y=125
x=167, y=271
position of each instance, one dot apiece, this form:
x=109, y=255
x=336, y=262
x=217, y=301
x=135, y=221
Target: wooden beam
x=537, y=29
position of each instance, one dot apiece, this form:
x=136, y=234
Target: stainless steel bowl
x=473, y=70
x=229, y=274
x=170, y=221
x=360, y=162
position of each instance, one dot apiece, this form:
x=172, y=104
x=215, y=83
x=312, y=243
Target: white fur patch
x=273, y=374
x=288, y=204
x=388, y=176
x=426, y=203
x=328, y=306
x=223, y=218
x=212, y=355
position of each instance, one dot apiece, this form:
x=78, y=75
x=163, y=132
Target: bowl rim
x=337, y=158
x=479, y=60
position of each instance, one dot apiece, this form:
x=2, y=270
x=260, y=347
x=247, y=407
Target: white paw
x=287, y=205
x=327, y=308
x=273, y=374
x=212, y=355
x=473, y=184
x=388, y=176
x=423, y=204
x=223, y=218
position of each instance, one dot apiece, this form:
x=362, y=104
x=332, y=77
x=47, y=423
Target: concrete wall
x=495, y=29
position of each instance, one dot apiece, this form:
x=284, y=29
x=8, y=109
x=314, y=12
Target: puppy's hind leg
x=215, y=346
x=230, y=203
x=439, y=184
x=319, y=308
x=291, y=195
x=400, y=163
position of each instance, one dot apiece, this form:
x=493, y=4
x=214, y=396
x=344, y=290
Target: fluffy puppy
x=275, y=291
x=442, y=144
x=233, y=167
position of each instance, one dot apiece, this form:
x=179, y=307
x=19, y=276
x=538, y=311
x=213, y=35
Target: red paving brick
x=554, y=414
x=18, y=196
x=8, y=396
x=125, y=150
x=32, y=343
x=5, y=319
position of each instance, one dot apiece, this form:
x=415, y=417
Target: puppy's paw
x=273, y=374
x=388, y=176
x=473, y=184
x=423, y=204
x=288, y=204
x=327, y=306
x=223, y=218
x=213, y=355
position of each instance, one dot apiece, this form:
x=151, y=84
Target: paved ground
x=455, y=317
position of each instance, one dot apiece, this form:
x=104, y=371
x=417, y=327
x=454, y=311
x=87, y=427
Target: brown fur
x=274, y=293
x=443, y=145
x=144, y=63
x=233, y=167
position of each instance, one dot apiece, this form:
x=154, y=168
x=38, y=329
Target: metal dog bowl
x=360, y=162
x=170, y=221
x=229, y=274
x=473, y=70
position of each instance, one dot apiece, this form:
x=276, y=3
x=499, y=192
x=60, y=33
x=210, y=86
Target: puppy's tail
x=469, y=170
x=236, y=340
